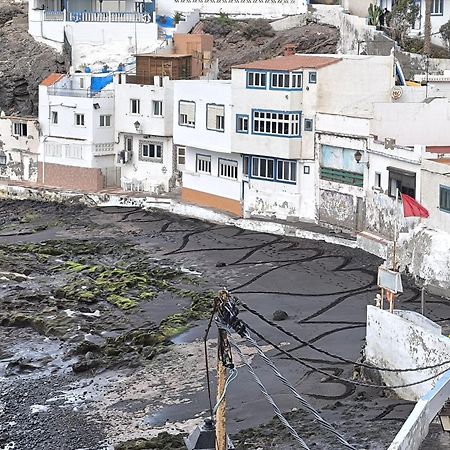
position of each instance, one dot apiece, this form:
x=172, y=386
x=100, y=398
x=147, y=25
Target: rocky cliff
x=24, y=63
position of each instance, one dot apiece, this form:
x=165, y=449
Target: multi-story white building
x=144, y=112
x=256, y=133
x=105, y=31
x=19, y=146
x=76, y=113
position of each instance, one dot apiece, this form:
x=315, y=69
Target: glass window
x=404, y=181
x=437, y=7
x=215, y=117
x=308, y=125
x=286, y=170
x=135, y=106
x=54, y=117
x=297, y=80
x=242, y=123
x=228, y=169
x=150, y=150
x=280, y=80
x=262, y=168
x=157, y=108
x=181, y=156
x=79, y=120
x=444, y=198
x=204, y=164
x=256, y=79
x=377, y=180
x=313, y=77
x=265, y=122
x=186, y=113
x=105, y=120
x=20, y=129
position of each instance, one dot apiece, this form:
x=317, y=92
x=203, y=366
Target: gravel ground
x=82, y=371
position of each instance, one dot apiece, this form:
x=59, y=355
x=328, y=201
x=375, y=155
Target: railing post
x=109, y=16
x=65, y=15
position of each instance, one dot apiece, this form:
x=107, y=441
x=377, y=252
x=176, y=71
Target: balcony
x=97, y=16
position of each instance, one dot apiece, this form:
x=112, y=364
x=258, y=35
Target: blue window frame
x=312, y=77
x=284, y=81
x=242, y=123
x=276, y=123
x=437, y=7
x=270, y=169
x=444, y=198
x=256, y=79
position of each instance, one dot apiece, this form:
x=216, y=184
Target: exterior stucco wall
x=395, y=342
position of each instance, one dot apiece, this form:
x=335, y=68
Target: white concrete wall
x=156, y=175
x=289, y=22
x=212, y=183
x=394, y=342
x=235, y=7
x=203, y=93
x=434, y=175
x=410, y=123
x=21, y=151
x=415, y=429
x=351, y=86
x=357, y=7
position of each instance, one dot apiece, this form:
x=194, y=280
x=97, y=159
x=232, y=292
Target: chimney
x=289, y=49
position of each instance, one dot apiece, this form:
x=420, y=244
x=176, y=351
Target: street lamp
x=358, y=156
x=137, y=125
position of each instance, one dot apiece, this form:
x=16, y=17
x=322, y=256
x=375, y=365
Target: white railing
x=74, y=151
x=104, y=149
x=52, y=149
x=66, y=92
x=54, y=16
x=95, y=16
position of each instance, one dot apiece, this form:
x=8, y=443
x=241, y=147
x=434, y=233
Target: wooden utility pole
x=221, y=430
x=427, y=28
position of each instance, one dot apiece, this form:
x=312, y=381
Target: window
x=81, y=83
x=228, y=169
x=241, y=123
x=308, y=125
x=286, y=171
x=3, y=159
x=297, y=80
x=79, y=120
x=279, y=80
x=157, y=108
x=215, y=117
x=150, y=150
x=135, y=106
x=54, y=117
x=256, y=80
x=105, y=121
x=20, y=129
x=181, y=156
x=437, y=7
x=276, y=123
x=444, y=198
x=246, y=166
x=306, y=170
x=402, y=180
x=203, y=164
x=128, y=143
x=262, y=168
x=377, y=180
x=313, y=77
x=186, y=114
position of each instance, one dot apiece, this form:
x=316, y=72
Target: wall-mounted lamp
x=96, y=106
x=358, y=156
x=137, y=125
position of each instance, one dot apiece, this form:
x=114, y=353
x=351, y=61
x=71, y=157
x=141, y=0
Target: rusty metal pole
x=221, y=431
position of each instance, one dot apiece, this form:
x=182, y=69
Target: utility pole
x=427, y=28
x=221, y=431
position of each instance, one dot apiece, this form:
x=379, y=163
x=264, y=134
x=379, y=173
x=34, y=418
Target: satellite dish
x=396, y=92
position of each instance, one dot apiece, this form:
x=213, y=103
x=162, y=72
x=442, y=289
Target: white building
x=269, y=111
x=19, y=146
x=106, y=31
x=440, y=15
x=76, y=113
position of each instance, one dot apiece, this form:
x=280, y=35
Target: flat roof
x=163, y=55
x=291, y=62
x=444, y=149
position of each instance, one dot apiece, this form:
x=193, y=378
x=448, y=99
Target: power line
x=263, y=390
x=306, y=405
x=333, y=355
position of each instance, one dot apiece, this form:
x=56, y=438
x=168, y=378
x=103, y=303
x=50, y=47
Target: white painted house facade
x=19, y=147
x=76, y=113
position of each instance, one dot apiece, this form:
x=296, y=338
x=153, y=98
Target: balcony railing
x=87, y=93
x=97, y=16
x=342, y=176
x=104, y=149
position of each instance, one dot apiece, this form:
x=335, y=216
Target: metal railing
x=54, y=16
x=116, y=17
x=87, y=93
x=342, y=176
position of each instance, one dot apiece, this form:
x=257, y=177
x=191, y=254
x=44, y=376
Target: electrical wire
x=335, y=377
x=263, y=390
x=333, y=355
x=233, y=375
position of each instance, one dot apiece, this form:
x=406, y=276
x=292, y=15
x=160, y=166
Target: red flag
x=411, y=208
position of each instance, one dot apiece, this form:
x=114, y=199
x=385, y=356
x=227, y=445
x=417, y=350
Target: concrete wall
x=416, y=427
x=357, y=7
x=394, y=342
x=416, y=121
x=289, y=22
x=21, y=151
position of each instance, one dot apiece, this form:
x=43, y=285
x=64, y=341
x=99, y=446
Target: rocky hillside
x=23, y=61
x=238, y=42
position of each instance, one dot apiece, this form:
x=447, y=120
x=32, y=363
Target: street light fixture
x=137, y=125
x=358, y=156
